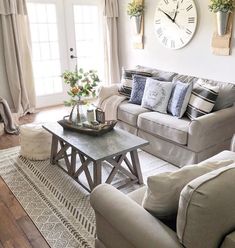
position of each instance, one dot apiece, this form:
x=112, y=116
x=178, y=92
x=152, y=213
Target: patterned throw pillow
x=137, y=89
x=127, y=80
x=179, y=99
x=156, y=95
x=202, y=100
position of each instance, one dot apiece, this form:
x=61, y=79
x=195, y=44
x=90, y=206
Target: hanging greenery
x=135, y=8
x=222, y=5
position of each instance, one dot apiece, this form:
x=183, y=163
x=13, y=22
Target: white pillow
x=156, y=95
x=163, y=193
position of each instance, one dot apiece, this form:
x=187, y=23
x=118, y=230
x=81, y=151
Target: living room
x=44, y=205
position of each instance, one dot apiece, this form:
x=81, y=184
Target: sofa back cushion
x=226, y=96
x=163, y=192
x=207, y=209
x=157, y=74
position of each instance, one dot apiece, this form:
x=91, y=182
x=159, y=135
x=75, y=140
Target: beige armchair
x=206, y=215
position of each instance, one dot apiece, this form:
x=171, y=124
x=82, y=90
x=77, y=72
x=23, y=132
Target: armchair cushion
x=206, y=209
x=162, y=196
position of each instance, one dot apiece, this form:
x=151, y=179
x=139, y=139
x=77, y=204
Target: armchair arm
x=105, y=92
x=128, y=220
x=211, y=129
x=229, y=241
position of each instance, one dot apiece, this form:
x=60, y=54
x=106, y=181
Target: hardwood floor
x=16, y=228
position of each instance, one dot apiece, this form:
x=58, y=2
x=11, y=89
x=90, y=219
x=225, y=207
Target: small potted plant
x=222, y=8
x=136, y=9
x=81, y=84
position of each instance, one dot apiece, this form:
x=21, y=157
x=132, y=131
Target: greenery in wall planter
x=221, y=5
x=222, y=8
x=136, y=9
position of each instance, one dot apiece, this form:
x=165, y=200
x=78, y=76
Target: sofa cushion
x=226, y=96
x=162, y=196
x=156, y=95
x=206, y=209
x=166, y=126
x=157, y=74
x=137, y=91
x=202, y=100
x=128, y=112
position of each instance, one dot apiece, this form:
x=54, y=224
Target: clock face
x=175, y=22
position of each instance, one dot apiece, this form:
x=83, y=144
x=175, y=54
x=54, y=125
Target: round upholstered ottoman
x=35, y=142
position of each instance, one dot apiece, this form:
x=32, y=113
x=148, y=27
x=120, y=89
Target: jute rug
x=57, y=205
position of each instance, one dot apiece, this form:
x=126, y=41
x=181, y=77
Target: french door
x=65, y=34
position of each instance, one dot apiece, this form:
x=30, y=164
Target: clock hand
x=176, y=11
x=166, y=14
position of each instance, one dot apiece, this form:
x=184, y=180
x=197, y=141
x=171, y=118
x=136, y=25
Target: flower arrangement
x=82, y=84
x=221, y=5
x=135, y=8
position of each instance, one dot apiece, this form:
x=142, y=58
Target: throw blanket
x=6, y=117
x=110, y=105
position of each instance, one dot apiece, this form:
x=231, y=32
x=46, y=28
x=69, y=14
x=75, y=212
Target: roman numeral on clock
x=188, y=31
x=189, y=7
x=166, y=1
x=164, y=40
x=191, y=19
x=172, y=44
x=159, y=32
x=158, y=21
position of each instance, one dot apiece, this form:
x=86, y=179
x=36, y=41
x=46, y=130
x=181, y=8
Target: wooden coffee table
x=111, y=147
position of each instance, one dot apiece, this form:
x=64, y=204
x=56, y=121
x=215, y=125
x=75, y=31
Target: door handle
x=73, y=57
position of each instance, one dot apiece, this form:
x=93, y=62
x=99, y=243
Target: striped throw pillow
x=202, y=100
x=127, y=80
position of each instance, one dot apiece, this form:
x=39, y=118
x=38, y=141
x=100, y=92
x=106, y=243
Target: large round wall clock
x=175, y=22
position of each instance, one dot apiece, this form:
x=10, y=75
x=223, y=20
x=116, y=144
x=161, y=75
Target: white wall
x=195, y=59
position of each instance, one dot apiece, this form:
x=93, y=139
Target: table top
x=98, y=148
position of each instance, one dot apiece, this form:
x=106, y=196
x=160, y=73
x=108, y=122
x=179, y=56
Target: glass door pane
x=45, y=48
x=84, y=21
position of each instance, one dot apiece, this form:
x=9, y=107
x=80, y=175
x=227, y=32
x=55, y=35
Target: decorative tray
x=96, y=131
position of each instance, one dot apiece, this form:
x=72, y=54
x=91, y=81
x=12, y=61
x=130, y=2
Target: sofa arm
x=211, y=129
x=105, y=92
x=128, y=220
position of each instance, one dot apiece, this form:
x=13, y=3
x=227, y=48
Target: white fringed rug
x=57, y=205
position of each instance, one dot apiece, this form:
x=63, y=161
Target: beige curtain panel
x=15, y=35
x=112, y=71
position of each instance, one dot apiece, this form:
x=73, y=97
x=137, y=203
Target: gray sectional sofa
x=178, y=141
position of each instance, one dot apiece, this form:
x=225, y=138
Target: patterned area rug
x=57, y=205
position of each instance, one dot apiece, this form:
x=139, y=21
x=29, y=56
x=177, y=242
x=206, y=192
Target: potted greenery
x=136, y=9
x=82, y=84
x=222, y=8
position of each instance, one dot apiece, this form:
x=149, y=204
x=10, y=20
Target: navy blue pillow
x=137, y=92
